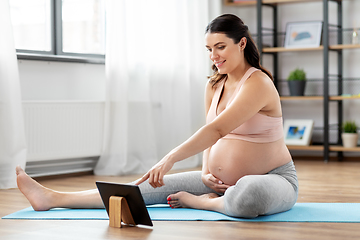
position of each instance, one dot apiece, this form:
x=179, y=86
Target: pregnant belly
x=231, y=159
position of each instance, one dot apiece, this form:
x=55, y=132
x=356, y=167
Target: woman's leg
x=251, y=196
x=189, y=191
x=42, y=198
x=209, y=201
x=189, y=182
x=183, y=190
x=255, y=195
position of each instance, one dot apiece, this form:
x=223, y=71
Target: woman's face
x=224, y=53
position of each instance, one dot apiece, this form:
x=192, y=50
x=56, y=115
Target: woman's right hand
x=214, y=183
x=157, y=172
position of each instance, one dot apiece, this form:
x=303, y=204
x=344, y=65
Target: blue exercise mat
x=301, y=212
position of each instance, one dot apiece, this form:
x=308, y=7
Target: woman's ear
x=242, y=43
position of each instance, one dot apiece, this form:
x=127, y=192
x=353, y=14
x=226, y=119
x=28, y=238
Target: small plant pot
x=349, y=139
x=297, y=88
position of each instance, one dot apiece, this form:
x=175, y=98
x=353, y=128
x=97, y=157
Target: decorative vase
x=349, y=139
x=297, y=87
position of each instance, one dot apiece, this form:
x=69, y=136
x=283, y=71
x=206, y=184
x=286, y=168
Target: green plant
x=297, y=75
x=350, y=127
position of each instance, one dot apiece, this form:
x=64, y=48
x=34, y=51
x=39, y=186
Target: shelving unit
x=325, y=48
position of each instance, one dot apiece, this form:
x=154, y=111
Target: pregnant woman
x=247, y=169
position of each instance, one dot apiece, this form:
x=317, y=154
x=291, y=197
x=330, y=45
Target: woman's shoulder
x=259, y=78
x=259, y=84
x=260, y=74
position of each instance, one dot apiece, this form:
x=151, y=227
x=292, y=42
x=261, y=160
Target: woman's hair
x=233, y=27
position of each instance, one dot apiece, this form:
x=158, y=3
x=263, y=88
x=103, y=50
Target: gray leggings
x=251, y=196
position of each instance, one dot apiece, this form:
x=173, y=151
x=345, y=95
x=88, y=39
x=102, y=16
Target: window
x=31, y=24
x=83, y=26
x=59, y=28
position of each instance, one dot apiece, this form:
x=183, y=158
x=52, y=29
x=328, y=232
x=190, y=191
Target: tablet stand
x=119, y=211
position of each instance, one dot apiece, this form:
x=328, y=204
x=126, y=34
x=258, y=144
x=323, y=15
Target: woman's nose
x=213, y=55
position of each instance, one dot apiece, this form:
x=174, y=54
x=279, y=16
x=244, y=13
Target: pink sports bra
x=259, y=128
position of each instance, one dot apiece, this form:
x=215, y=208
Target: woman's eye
x=221, y=47
x=208, y=49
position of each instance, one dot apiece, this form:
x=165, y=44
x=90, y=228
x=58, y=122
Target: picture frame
x=298, y=131
x=303, y=34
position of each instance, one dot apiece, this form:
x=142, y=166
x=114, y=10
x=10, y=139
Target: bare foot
x=210, y=201
x=38, y=195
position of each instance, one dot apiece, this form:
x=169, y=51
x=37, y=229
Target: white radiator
x=63, y=136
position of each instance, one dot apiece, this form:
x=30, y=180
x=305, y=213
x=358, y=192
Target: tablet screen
x=133, y=197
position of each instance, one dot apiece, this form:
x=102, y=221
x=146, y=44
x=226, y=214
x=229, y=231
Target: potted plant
x=349, y=135
x=297, y=82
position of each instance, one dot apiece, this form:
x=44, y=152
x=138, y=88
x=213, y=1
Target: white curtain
x=156, y=70
x=12, y=134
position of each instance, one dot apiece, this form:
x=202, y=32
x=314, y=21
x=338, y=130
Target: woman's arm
x=253, y=97
x=205, y=168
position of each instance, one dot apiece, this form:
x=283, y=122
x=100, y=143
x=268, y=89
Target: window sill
x=58, y=58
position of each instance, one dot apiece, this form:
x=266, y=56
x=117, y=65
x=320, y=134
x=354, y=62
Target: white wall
x=43, y=80
x=312, y=62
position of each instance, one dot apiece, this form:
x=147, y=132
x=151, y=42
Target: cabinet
x=276, y=50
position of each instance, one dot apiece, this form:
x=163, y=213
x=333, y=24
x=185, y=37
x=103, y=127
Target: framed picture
x=303, y=34
x=298, y=132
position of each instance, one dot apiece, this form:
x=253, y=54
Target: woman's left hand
x=214, y=183
x=157, y=172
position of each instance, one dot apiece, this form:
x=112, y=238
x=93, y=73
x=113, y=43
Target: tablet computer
x=133, y=197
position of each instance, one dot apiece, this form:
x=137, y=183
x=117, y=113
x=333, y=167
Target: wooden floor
x=319, y=182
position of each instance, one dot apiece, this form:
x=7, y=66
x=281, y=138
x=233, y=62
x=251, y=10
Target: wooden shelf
x=343, y=149
x=283, y=49
x=310, y=148
x=301, y=98
x=253, y=2
x=344, y=97
x=344, y=46
x=286, y=98
x=290, y=98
